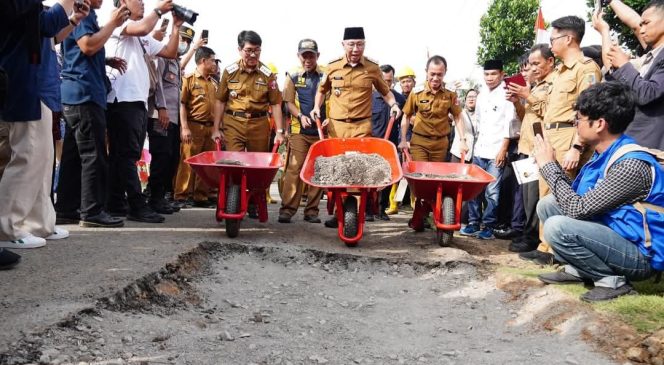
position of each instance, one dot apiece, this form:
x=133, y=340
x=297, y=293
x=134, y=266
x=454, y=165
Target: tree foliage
x=507, y=31
x=625, y=34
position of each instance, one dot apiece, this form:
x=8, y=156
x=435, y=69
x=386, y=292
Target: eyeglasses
x=553, y=39
x=577, y=120
x=249, y=51
x=355, y=44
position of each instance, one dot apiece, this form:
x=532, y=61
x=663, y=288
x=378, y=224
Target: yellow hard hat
x=273, y=68
x=405, y=72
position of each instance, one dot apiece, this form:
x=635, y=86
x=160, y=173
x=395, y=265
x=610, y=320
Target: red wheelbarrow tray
x=426, y=188
x=339, y=146
x=260, y=167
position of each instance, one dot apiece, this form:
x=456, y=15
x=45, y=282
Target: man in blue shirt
x=380, y=116
x=27, y=217
x=84, y=166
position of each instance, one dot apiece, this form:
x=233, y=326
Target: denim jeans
x=491, y=194
x=591, y=250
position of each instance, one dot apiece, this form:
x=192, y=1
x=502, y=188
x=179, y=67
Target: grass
x=644, y=312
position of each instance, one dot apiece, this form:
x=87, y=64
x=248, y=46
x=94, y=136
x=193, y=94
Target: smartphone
x=164, y=23
x=537, y=129
x=204, y=34
x=78, y=4
x=598, y=6
x=515, y=79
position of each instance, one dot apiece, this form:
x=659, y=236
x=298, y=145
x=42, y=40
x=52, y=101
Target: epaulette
x=186, y=76
x=335, y=60
x=587, y=60
x=418, y=89
x=371, y=60
x=266, y=70
x=232, y=67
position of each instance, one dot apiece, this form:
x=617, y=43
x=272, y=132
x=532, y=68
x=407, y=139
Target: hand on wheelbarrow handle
x=319, y=126
x=390, y=124
x=217, y=143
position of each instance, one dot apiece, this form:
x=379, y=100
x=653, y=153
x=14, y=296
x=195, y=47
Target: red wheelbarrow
x=350, y=219
x=241, y=177
x=443, y=196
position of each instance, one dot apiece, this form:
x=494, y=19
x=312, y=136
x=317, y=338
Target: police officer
x=575, y=74
x=431, y=104
x=299, y=94
x=246, y=91
x=350, y=79
x=196, y=125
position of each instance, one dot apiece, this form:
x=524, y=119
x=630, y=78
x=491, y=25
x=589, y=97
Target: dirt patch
x=352, y=170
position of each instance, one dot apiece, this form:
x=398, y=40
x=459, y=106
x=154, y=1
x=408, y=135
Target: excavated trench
x=244, y=304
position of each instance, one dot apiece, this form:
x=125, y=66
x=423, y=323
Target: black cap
x=307, y=45
x=493, y=65
x=354, y=33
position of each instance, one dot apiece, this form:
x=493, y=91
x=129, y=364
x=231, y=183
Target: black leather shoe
x=8, y=259
x=311, y=219
x=204, y=204
x=506, y=234
x=145, y=215
x=518, y=239
x=559, y=277
x=284, y=218
x=600, y=293
x=182, y=204
x=102, y=220
x=161, y=207
x=67, y=218
x=383, y=216
x=369, y=218
x=252, y=211
x=531, y=255
x=546, y=259
x=522, y=246
x=332, y=223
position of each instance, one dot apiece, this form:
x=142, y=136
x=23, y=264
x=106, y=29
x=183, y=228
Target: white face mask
x=183, y=47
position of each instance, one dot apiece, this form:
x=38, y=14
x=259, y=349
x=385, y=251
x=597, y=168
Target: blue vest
x=626, y=220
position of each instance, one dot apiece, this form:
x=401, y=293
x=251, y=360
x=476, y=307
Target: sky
x=398, y=33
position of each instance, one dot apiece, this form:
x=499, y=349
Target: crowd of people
x=587, y=120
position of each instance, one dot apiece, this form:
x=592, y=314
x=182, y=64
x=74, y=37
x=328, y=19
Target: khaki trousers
x=25, y=184
x=428, y=149
x=293, y=187
x=252, y=135
x=338, y=129
x=186, y=182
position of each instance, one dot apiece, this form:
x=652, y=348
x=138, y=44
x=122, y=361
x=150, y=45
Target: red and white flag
x=541, y=35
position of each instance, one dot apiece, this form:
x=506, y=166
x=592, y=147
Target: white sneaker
x=59, y=234
x=29, y=241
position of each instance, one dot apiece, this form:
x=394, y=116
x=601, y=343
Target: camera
x=78, y=4
x=187, y=15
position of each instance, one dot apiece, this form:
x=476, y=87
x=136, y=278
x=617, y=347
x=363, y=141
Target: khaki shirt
x=535, y=110
x=350, y=87
x=571, y=80
x=248, y=91
x=198, y=97
x=431, y=110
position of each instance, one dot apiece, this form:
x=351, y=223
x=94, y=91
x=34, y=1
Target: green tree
x=625, y=34
x=507, y=31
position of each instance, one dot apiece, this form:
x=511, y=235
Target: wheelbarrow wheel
x=444, y=237
x=350, y=217
x=232, y=207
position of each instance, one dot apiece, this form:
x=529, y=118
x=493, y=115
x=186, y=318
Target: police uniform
x=197, y=96
x=571, y=79
x=432, y=126
x=300, y=88
x=350, y=90
x=248, y=96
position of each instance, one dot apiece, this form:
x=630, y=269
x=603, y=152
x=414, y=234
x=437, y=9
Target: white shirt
x=134, y=84
x=470, y=129
x=494, y=116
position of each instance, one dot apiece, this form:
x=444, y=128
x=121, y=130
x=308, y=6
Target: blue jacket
x=25, y=24
x=626, y=220
x=380, y=115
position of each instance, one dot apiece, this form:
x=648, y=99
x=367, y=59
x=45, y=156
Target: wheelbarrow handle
x=319, y=126
x=217, y=143
x=390, y=124
x=463, y=157
x=276, y=146
x=407, y=155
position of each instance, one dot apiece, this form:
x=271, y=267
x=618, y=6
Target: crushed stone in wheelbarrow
x=441, y=177
x=229, y=162
x=357, y=169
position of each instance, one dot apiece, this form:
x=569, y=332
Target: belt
x=558, y=125
x=350, y=120
x=429, y=137
x=207, y=124
x=247, y=115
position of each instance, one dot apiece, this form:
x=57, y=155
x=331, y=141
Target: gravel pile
x=352, y=169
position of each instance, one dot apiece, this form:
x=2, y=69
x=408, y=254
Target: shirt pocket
x=568, y=90
x=234, y=89
x=171, y=74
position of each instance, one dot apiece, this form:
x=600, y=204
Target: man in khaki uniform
x=542, y=63
x=431, y=105
x=196, y=122
x=299, y=94
x=575, y=74
x=349, y=80
x=246, y=91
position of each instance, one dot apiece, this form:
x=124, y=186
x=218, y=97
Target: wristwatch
x=280, y=131
x=72, y=21
x=579, y=147
x=299, y=116
x=159, y=12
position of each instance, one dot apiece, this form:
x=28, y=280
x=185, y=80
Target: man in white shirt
x=127, y=105
x=494, y=115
